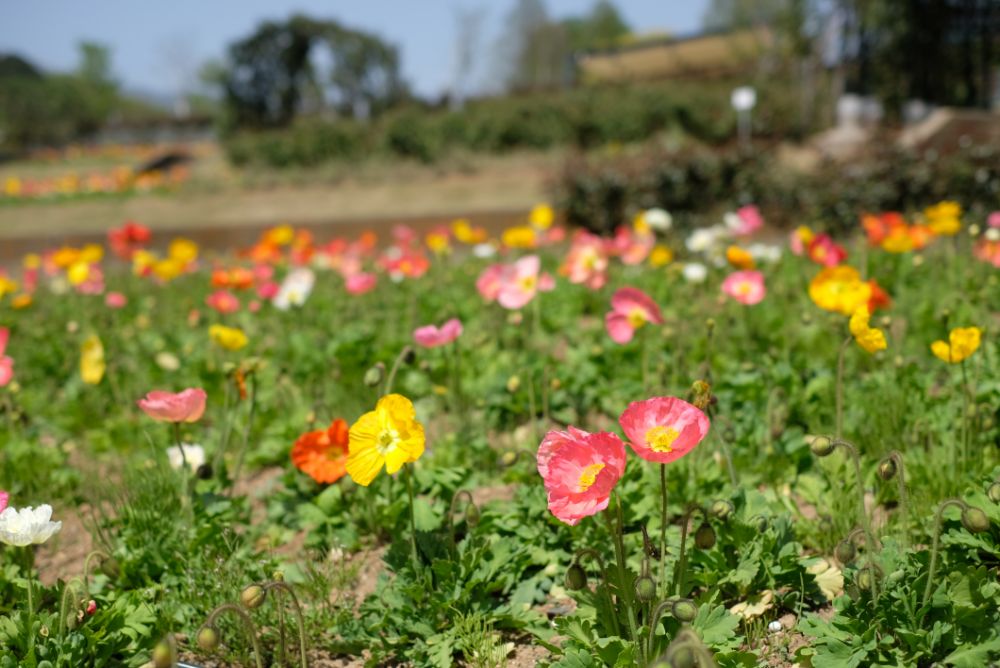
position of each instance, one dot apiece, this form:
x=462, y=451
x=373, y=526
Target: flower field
x=720, y=446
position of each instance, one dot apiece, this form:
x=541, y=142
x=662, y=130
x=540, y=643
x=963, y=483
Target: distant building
x=708, y=55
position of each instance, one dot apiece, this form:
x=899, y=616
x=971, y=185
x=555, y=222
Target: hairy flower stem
x=248, y=430
x=958, y=503
x=870, y=545
x=904, y=499
x=663, y=528
x=624, y=590
x=840, y=386
x=966, y=420
x=299, y=619
x=71, y=588
x=245, y=621
x=414, y=555
x=185, y=474
x=590, y=552
x=29, y=579
x=682, y=560
x=395, y=368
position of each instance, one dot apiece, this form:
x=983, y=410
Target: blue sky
x=158, y=45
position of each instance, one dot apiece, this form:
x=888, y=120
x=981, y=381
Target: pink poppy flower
x=184, y=406
x=663, y=429
x=633, y=248
x=431, y=336
x=360, y=283
x=587, y=261
x=747, y=221
x=115, y=300
x=223, y=301
x=580, y=470
x=519, y=283
x=268, y=290
x=825, y=251
x=631, y=308
x=4, y=500
x=6, y=363
x=746, y=287
x=489, y=282
x=253, y=306
x=993, y=220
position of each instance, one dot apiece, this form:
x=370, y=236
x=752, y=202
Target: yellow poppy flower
x=78, y=272
x=282, y=235
x=183, y=251
x=7, y=286
x=840, y=289
x=962, y=342
x=739, y=258
x=520, y=236
x=21, y=301
x=660, y=256
x=92, y=365
x=438, y=242
x=870, y=338
x=944, y=218
x=390, y=435
x=542, y=216
x=467, y=234
x=229, y=338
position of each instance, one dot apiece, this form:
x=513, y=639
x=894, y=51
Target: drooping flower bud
x=821, y=446
x=684, y=610
x=722, y=509
x=374, y=375
x=208, y=639
x=111, y=568
x=253, y=596
x=576, y=577
x=865, y=579
x=975, y=520
x=508, y=458
x=845, y=552
x=704, y=537
x=471, y=515
x=645, y=589
x=887, y=469
x=163, y=656
x=759, y=522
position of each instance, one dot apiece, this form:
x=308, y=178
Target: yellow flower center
x=661, y=439
x=388, y=440
x=636, y=318
x=743, y=289
x=528, y=282
x=589, y=476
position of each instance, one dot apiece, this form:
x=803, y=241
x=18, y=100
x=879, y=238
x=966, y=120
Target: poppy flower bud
x=204, y=472
x=471, y=515
x=278, y=576
x=845, y=552
x=508, y=458
x=864, y=579
x=72, y=619
x=409, y=355
x=111, y=568
x=91, y=607
x=887, y=469
x=162, y=656
x=44, y=631
x=683, y=658
x=722, y=509
x=374, y=375
x=576, y=578
x=704, y=537
x=208, y=639
x=994, y=492
x=759, y=522
x=684, y=610
x=253, y=596
x=821, y=446
x=645, y=589
x=975, y=520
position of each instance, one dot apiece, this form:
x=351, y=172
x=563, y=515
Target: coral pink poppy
x=580, y=470
x=268, y=290
x=489, y=282
x=6, y=363
x=521, y=281
x=223, y=301
x=115, y=300
x=184, y=406
x=587, y=261
x=746, y=221
x=4, y=500
x=746, y=287
x=631, y=308
x=825, y=251
x=360, y=283
x=432, y=336
x=663, y=429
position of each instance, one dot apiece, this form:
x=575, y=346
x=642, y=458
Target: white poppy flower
x=764, y=252
x=27, y=526
x=658, y=219
x=295, y=289
x=194, y=454
x=484, y=250
x=695, y=272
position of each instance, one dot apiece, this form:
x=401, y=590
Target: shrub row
x=583, y=117
x=599, y=193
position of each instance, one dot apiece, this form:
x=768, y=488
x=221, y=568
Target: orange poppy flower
x=322, y=454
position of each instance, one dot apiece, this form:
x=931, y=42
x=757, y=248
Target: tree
x=603, y=28
x=274, y=72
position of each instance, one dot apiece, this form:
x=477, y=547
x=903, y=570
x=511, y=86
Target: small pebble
x=774, y=626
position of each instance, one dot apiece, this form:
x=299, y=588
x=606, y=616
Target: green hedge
x=584, y=117
x=600, y=193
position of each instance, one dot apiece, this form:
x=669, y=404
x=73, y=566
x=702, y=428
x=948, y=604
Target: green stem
x=246, y=622
x=934, y=548
x=31, y=614
x=248, y=430
x=840, y=386
x=624, y=593
x=870, y=545
x=904, y=499
x=663, y=527
x=299, y=619
x=414, y=555
x=966, y=422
